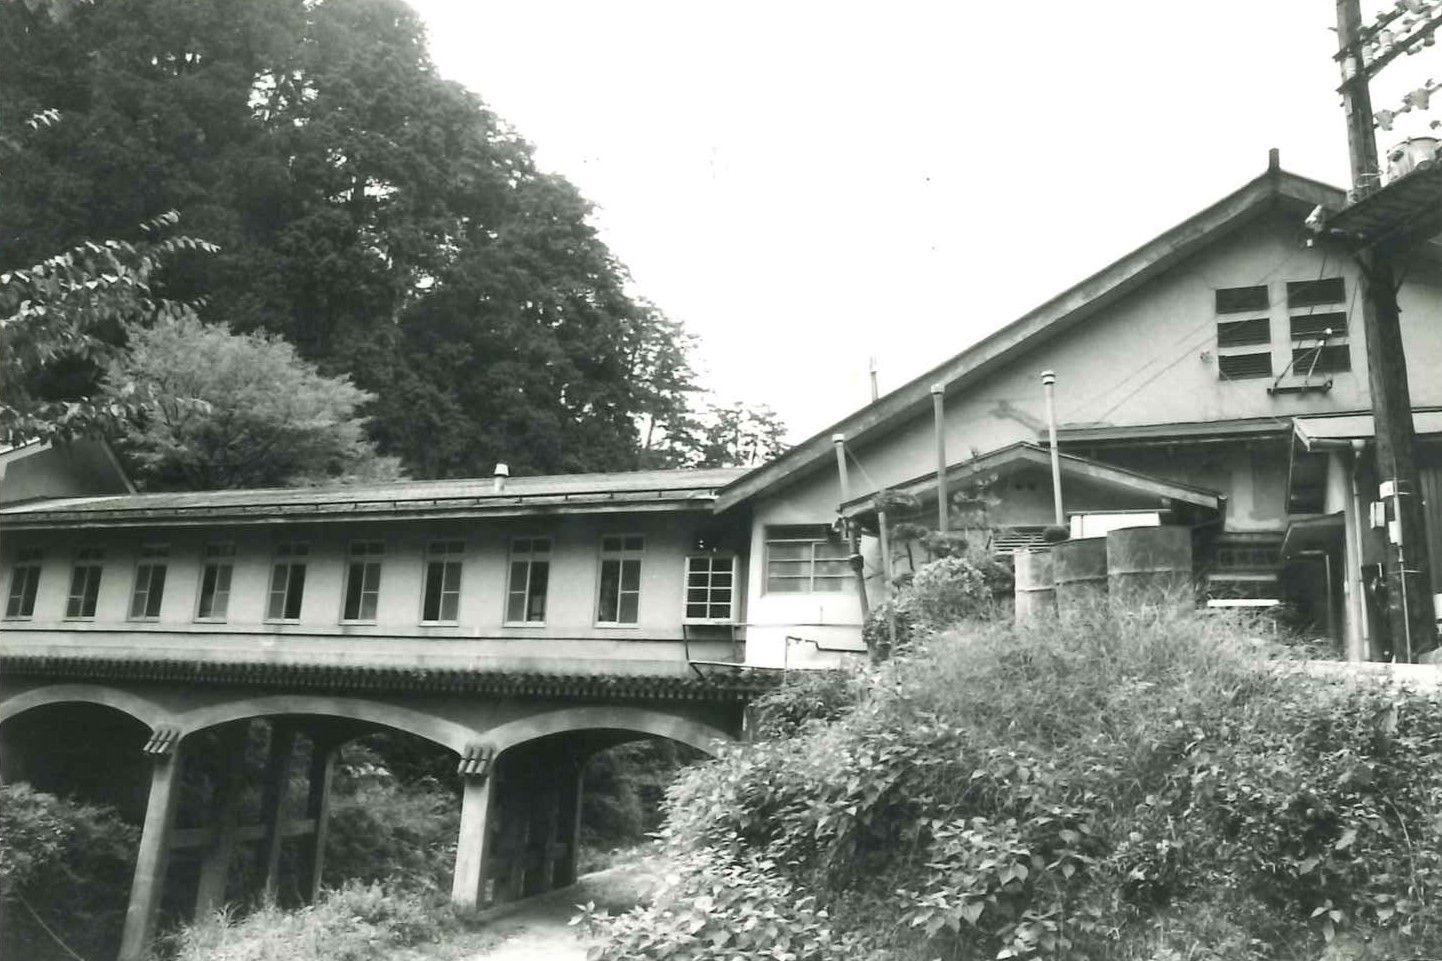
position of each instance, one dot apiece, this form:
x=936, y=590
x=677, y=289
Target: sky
x=808, y=185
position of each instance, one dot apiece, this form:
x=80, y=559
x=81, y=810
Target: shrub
x=71, y=864
x=803, y=698
x=381, y=830
x=357, y=922
x=1128, y=785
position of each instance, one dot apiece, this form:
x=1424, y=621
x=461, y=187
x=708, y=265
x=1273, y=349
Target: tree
x=380, y=218
x=721, y=435
x=225, y=410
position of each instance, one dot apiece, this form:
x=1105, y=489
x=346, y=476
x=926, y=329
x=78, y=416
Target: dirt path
x=538, y=930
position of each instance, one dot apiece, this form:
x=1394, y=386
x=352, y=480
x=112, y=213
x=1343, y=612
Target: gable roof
x=1070, y=307
x=564, y=493
x=1024, y=453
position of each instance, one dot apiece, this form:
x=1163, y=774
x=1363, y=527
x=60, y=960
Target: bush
x=805, y=697
x=357, y=922
x=70, y=863
x=384, y=831
x=1127, y=785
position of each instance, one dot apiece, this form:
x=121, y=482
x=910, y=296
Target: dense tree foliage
x=381, y=219
x=220, y=410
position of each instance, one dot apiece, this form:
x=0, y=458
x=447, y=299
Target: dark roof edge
x=738, y=683
x=1155, y=255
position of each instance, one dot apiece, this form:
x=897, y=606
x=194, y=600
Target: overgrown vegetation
x=1129, y=785
x=65, y=866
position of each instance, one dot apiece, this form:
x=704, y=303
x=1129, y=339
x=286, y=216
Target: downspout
x=1354, y=565
x=853, y=539
x=1048, y=386
x=938, y=411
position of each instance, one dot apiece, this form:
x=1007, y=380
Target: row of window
x=709, y=597
x=1319, y=340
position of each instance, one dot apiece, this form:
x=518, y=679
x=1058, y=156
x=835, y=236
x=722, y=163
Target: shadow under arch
x=447, y=734
x=147, y=712
x=703, y=737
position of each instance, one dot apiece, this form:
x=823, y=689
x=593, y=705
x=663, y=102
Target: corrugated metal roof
x=441, y=496
x=1315, y=430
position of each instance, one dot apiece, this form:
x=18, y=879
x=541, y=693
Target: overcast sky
x=809, y=184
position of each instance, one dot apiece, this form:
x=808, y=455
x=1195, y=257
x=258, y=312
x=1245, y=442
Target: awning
x=1313, y=533
x=1322, y=433
x=1074, y=468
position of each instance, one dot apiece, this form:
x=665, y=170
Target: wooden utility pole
x=1410, y=614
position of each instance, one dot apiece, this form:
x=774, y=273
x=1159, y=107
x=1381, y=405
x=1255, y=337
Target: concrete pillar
x=472, y=846
x=153, y=858
x=272, y=804
x=572, y=791
x=317, y=810
x=215, y=863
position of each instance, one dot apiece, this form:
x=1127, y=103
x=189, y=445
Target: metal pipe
x=852, y=539
x=875, y=391
x=1048, y=386
x=938, y=409
x=1354, y=567
x=839, y=442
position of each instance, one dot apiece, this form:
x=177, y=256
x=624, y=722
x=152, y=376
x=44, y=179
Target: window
x=24, y=582
x=1242, y=300
x=84, y=583
x=215, y=582
x=1328, y=359
x=620, y=600
x=1239, y=366
x=441, y=599
x=1309, y=293
x=363, y=581
x=287, y=583
x=530, y=574
x=804, y=559
x=149, y=583
x=1312, y=326
x=710, y=588
x=1240, y=333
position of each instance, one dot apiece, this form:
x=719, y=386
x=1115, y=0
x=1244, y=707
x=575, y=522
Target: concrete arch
x=703, y=737
x=149, y=713
x=448, y=734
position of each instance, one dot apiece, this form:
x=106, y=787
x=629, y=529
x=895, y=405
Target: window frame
x=445, y=558
x=28, y=563
x=288, y=554
x=152, y=559
x=366, y=554
x=769, y=540
x=217, y=554
x=90, y=559
x=686, y=618
x=631, y=549
x=530, y=561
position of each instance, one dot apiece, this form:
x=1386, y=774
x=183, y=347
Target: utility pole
x=1410, y=614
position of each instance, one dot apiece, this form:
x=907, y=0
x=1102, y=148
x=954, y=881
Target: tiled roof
x=406, y=498
x=719, y=683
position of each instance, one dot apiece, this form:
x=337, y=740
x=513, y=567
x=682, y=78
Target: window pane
x=610, y=544
x=788, y=551
x=786, y=585
x=630, y=575
x=831, y=549
x=452, y=579
x=353, y=584
x=610, y=588
x=635, y=543
x=276, y=608
x=92, y=591
x=278, y=577
x=696, y=594
x=830, y=583
x=536, y=602
x=368, y=606
x=450, y=604
x=294, y=591
x=516, y=606
x=629, y=605
x=696, y=610
x=833, y=568
x=431, y=608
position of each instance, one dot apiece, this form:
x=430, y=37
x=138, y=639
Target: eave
x=1049, y=320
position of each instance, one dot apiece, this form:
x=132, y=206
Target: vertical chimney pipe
x=499, y=481
x=1048, y=386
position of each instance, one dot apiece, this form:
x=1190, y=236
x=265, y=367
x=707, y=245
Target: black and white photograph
x=667, y=480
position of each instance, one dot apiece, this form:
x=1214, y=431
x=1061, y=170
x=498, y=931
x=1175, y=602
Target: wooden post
x=473, y=842
x=853, y=539
x=938, y=416
x=272, y=804
x=317, y=810
x=153, y=857
x=1410, y=613
x=215, y=865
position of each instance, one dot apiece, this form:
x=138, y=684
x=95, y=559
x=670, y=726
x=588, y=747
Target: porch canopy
x=1015, y=487
x=1337, y=431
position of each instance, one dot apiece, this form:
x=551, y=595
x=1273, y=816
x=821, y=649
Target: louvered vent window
x=1330, y=359
x=1310, y=293
x=1244, y=344
x=1318, y=325
x=1239, y=366
x=1242, y=300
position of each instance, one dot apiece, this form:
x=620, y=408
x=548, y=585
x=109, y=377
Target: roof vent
x=501, y=473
